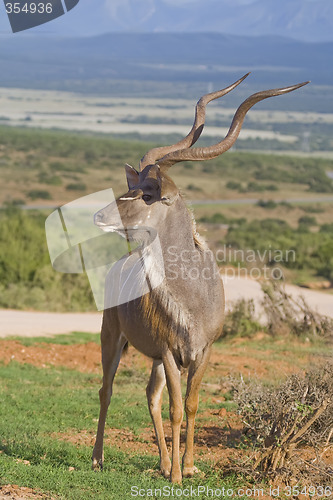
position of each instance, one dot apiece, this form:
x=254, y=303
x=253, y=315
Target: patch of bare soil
x=12, y=491
x=215, y=442
x=81, y=357
x=238, y=359
x=87, y=358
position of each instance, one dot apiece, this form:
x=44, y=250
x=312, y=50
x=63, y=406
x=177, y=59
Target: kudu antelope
x=177, y=322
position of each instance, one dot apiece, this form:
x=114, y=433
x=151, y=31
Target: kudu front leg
x=172, y=373
x=154, y=395
x=195, y=373
x=112, y=346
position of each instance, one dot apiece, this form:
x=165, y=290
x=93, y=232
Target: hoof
x=97, y=465
x=190, y=471
x=176, y=478
x=166, y=473
x=166, y=468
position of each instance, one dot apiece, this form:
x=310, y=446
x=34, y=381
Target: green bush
x=271, y=187
x=217, y=218
x=78, y=186
x=269, y=204
x=255, y=187
x=41, y=194
x=193, y=187
x=27, y=279
x=233, y=185
x=307, y=220
x=326, y=228
x=306, y=250
x=52, y=180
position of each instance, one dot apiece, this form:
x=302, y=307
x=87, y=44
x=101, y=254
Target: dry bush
x=287, y=315
x=289, y=427
x=241, y=320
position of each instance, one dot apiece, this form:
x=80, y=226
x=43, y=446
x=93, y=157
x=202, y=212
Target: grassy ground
x=49, y=412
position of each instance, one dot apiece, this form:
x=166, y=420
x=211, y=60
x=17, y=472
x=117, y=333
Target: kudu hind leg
x=195, y=373
x=112, y=346
x=154, y=396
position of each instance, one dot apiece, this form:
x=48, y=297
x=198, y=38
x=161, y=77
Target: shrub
x=193, y=187
x=324, y=256
x=27, y=279
x=240, y=321
x=15, y=202
x=302, y=249
x=271, y=187
x=233, y=185
x=254, y=186
x=286, y=315
x=326, y=228
x=52, y=180
x=216, y=218
x=78, y=186
x=41, y=194
x=270, y=204
x=307, y=220
x=280, y=421
x=313, y=209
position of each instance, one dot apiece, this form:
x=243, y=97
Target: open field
x=50, y=406
x=41, y=167
x=47, y=109
x=143, y=117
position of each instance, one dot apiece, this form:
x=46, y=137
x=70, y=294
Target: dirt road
x=36, y=324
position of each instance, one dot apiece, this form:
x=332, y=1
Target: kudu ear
x=132, y=176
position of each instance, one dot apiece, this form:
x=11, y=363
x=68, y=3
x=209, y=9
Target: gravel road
x=36, y=324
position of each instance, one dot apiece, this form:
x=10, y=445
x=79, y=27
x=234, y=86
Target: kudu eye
x=146, y=197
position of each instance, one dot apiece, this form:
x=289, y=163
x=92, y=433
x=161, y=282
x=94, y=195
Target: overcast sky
x=91, y=17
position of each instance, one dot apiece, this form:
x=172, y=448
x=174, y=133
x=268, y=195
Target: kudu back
x=176, y=322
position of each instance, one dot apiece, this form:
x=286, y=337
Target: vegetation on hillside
x=27, y=279
x=52, y=165
x=41, y=164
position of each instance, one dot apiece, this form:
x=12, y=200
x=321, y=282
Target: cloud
x=127, y=11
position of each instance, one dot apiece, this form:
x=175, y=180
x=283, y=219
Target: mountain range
x=167, y=64
x=306, y=20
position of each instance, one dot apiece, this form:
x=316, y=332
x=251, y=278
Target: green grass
x=63, y=339
x=39, y=402
x=275, y=346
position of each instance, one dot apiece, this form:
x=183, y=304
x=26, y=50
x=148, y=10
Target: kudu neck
x=177, y=228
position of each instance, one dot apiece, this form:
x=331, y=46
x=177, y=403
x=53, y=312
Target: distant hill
x=307, y=20
x=203, y=57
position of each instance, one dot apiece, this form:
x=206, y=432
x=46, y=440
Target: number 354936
x=28, y=8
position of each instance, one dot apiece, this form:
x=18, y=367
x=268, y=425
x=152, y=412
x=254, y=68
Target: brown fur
x=164, y=316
